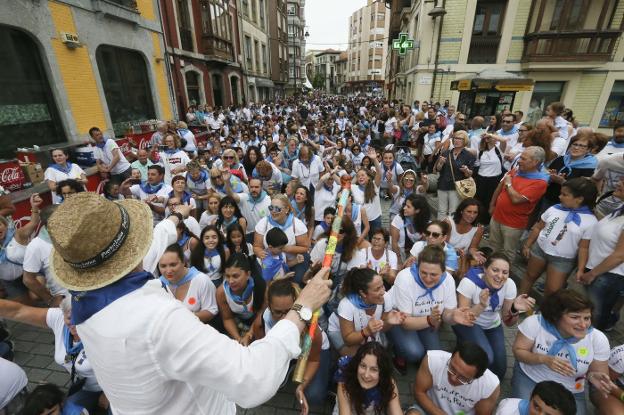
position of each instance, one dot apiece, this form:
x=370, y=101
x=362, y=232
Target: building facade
x=486, y=55
x=204, y=51
x=325, y=70
x=71, y=65
x=278, y=46
x=341, y=71
x=295, y=9
x=255, y=48
x=368, y=48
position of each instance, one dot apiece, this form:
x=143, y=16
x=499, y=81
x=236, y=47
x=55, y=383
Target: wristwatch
x=305, y=314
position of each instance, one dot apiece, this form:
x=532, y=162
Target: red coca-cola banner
x=12, y=177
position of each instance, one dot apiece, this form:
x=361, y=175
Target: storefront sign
x=512, y=87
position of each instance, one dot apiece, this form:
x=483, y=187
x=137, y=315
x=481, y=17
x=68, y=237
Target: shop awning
x=491, y=79
x=264, y=83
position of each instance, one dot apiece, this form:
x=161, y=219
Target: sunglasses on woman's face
x=432, y=234
x=275, y=209
x=228, y=157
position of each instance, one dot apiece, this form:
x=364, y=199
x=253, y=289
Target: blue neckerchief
x=240, y=299
x=324, y=225
x=170, y=151
x=523, y=406
x=617, y=212
x=300, y=213
x=362, y=187
x=192, y=273
x=184, y=239
x=561, y=342
x=587, y=162
x=211, y=253
x=43, y=234
x=150, y=189
x=185, y=199
x=534, y=175
x=225, y=223
x=573, y=214
x=355, y=210
x=87, y=303
x=203, y=177
x=70, y=349
x=10, y=232
x=359, y=303
x=328, y=188
x=372, y=396
x=286, y=225
x=102, y=144
x=474, y=274
x=183, y=131
x=271, y=266
x=393, y=167
x=66, y=169
x=514, y=130
x=428, y=291
x=615, y=144
x=255, y=201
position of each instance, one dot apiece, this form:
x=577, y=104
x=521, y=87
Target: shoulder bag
x=465, y=188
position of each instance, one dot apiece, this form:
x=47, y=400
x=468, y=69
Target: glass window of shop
x=192, y=87
x=126, y=86
x=544, y=92
x=614, y=110
x=28, y=113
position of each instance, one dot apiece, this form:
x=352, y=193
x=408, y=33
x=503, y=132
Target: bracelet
x=34, y=211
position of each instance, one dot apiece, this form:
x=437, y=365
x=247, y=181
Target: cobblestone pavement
x=34, y=348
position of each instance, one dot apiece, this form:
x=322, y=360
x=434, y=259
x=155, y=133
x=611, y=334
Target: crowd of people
x=440, y=207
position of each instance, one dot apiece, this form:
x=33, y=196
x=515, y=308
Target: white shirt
x=430, y=141
x=105, y=155
x=387, y=258
x=12, y=381
x=209, y=375
x=54, y=175
x=173, y=161
x=490, y=163
x=12, y=270
x=323, y=199
x=410, y=298
x=56, y=321
x=461, y=240
x=359, y=318
x=616, y=362
x=201, y=295
x=594, y=346
x=297, y=228
x=338, y=266
x=37, y=261
x=399, y=224
x=253, y=212
x=456, y=399
x=372, y=208
x=564, y=244
x=508, y=406
x=395, y=172
x=488, y=319
x=308, y=174
x=164, y=191
x=606, y=235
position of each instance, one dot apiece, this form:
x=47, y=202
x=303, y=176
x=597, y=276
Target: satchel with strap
x=465, y=188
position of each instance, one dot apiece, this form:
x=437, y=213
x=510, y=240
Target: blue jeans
x=413, y=344
x=522, y=388
x=492, y=341
x=604, y=292
x=86, y=399
x=316, y=391
x=374, y=224
x=300, y=269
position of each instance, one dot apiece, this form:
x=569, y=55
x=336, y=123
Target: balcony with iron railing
x=483, y=49
x=580, y=45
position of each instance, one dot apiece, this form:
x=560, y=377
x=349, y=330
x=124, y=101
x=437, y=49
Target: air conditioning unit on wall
x=70, y=40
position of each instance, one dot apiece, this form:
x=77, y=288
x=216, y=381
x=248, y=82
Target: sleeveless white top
x=461, y=240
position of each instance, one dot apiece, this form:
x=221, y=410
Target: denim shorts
x=563, y=265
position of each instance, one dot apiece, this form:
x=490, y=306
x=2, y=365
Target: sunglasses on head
x=275, y=209
x=432, y=234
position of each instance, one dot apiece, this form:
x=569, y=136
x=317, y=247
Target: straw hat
x=96, y=242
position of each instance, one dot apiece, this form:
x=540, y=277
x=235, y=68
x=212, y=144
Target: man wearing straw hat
x=149, y=353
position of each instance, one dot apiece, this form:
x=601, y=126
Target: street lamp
x=437, y=11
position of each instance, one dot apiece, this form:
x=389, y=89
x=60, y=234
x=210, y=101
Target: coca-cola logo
x=12, y=178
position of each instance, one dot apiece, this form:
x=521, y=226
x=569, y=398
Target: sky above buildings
x=327, y=21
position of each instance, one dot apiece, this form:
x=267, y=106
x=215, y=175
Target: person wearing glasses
x=154, y=191
x=408, y=226
x=231, y=162
x=560, y=344
x=218, y=178
x=281, y=216
x=577, y=162
x=508, y=137
x=457, y=383
x=436, y=234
